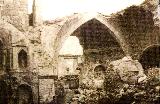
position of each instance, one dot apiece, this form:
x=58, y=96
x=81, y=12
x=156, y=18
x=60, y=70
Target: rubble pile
x=125, y=83
x=128, y=84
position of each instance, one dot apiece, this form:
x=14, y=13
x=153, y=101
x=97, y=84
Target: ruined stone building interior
x=80, y=58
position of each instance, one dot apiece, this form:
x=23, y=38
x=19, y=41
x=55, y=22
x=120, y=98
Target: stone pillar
x=37, y=20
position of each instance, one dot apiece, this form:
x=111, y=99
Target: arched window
x=22, y=59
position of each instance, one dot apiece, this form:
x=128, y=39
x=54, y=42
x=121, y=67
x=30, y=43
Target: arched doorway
x=22, y=59
x=24, y=95
x=150, y=57
x=3, y=93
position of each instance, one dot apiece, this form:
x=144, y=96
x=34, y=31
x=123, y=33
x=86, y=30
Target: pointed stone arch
x=72, y=24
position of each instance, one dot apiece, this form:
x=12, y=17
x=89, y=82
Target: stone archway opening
x=150, y=57
x=24, y=94
x=99, y=43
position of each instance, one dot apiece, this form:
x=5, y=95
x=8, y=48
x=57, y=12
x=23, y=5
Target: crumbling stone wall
x=134, y=29
x=41, y=41
x=14, y=41
x=136, y=23
x=40, y=44
x=15, y=12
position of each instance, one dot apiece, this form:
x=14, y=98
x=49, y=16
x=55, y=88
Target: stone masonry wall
x=15, y=12
x=137, y=26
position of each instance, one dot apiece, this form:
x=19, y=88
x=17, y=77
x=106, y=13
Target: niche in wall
x=22, y=59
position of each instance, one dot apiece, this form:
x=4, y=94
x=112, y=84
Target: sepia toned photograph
x=79, y=51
